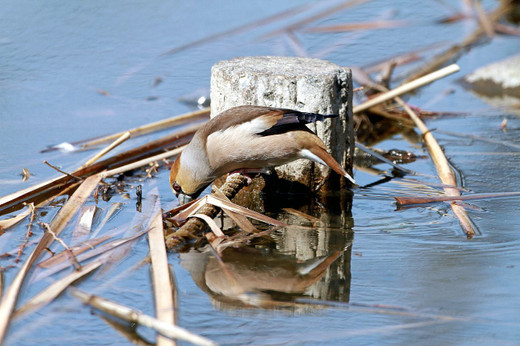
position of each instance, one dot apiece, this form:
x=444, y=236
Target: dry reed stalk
x=134, y=316
x=145, y=129
x=143, y=162
x=295, y=26
x=407, y=87
x=378, y=24
x=240, y=220
x=103, y=249
x=57, y=225
x=443, y=169
x=240, y=29
x=163, y=291
x=485, y=22
x=458, y=49
x=125, y=136
x=403, y=201
x=195, y=226
x=56, y=185
x=53, y=291
x=75, y=250
x=5, y=224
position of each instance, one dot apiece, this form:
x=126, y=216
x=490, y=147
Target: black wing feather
x=294, y=120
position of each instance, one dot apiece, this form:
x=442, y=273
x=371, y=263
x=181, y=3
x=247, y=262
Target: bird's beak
x=183, y=199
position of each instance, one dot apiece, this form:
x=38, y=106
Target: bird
x=248, y=139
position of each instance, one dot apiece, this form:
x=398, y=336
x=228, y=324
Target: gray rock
x=497, y=83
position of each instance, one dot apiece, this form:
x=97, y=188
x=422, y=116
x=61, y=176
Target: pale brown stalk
x=58, y=224
x=163, y=291
x=134, y=316
x=444, y=171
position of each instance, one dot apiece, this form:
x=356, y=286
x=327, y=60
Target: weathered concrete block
x=304, y=84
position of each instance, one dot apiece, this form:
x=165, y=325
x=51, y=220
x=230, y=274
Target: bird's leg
x=248, y=173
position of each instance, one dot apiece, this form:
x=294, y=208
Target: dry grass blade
x=186, y=210
x=54, y=290
x=57, y=225
x=54, y=186
x=143, y=162
x=506, y=29
x=114, y=209
x=483, y=18
x=125, y=136
x=239, y=219
x=142, y=130
x=218, y=202
x=84, y=225
x=211, y=223
x=295, y=26
x=261, y=22
x=140, y=223
x=129, y=333
x=76, y=250
x=5, y=224
x=383, y=97
x=443, y=169
x=381, y=24
x=434, y=199
x=133, y=316
x=104, y=249
x=296, y=45
x=455, y=51
x=163, y=291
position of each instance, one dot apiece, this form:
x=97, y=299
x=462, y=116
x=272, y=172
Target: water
x=70, y=71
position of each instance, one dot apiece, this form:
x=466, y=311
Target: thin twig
x=28, y=234
x=62, y=172
x=69, y=253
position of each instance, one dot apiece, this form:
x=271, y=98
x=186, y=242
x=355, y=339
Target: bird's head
x=184, y=182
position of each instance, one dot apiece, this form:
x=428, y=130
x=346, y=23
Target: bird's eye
x=177, y=187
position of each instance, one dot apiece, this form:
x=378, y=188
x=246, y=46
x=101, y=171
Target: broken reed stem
x=195, y=226
x=443, y=169
x=143, y=162
x=407, y=87
x=58, y=224
x=125, y=136
x=148, y=128
x=125, y=313
x=455, y=51
x=163, y=291
x=56, y=185
x=404, y=201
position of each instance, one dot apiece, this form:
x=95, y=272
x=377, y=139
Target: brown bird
x=248, y=138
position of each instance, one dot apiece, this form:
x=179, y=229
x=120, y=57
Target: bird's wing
x=263, y=120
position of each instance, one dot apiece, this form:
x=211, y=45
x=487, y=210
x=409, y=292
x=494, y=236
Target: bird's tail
x=313, y=117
